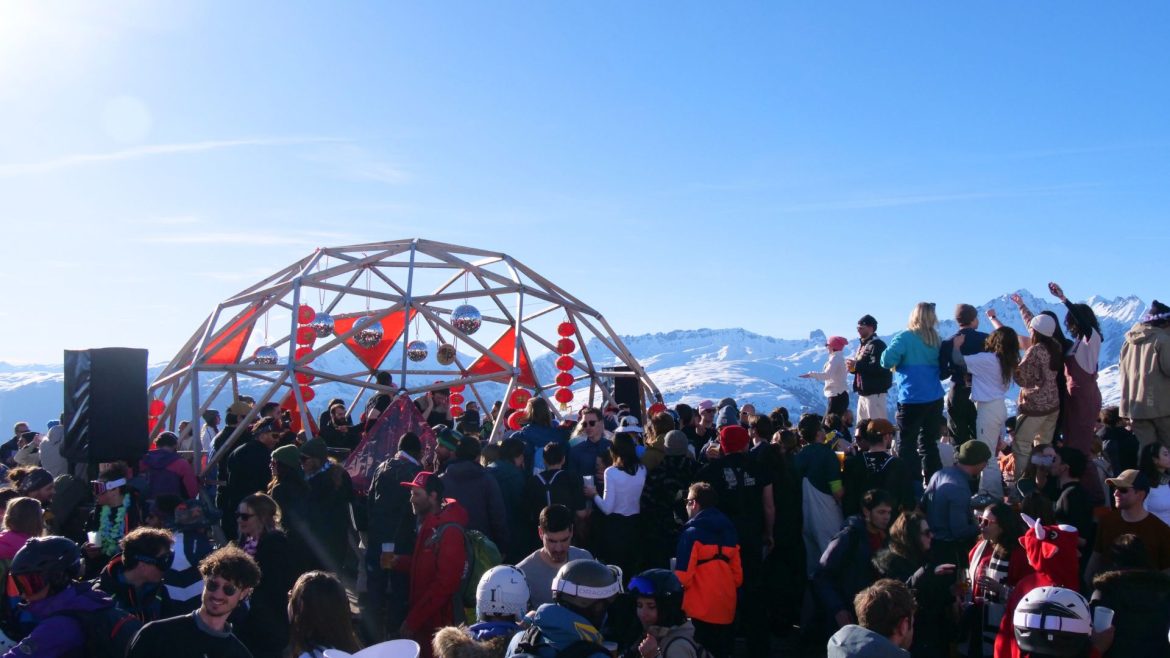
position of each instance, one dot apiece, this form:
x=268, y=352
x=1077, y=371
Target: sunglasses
x=589, y=423
x=986, y=522
x=214, y=586
x=244, y=516
x=163, y=562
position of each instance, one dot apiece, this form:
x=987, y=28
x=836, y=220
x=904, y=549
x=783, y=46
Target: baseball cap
x=427, y=481
x=1130, y=479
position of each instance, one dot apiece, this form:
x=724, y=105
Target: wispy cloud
x=894, y=201
x=245, y=238
x=358, y=163
x=154, y=150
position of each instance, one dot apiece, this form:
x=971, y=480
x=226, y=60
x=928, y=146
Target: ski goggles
x=163, y=562
x=29, y=583
x=642, y=586
x=102, y=486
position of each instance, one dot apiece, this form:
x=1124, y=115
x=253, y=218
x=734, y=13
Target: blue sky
x=774, y=166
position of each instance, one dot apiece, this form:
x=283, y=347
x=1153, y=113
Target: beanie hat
x=728, y=415
x=1043, y=324
x=315, y=448
x=288, y=455
x=867, y=320
x=837, y=343
x=733, y=438
x=37, y=478
x=448, y=438
x=675, y=443
x=973, y=453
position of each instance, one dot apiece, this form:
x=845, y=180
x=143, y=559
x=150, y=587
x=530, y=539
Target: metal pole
x=406, y=304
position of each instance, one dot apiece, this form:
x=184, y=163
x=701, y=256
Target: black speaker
x=106, y=405
x=626, y=388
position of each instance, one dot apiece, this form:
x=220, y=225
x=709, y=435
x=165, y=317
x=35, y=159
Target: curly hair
x=233, y=565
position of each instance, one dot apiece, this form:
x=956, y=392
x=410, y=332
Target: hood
x=718, y=526
x=452, y=512
x=487, y=630
x=463, y=470
x=562, y=626
x=1144, y=333
x=77, y=596
x=666, y=634
x=505, y=471
x=10, y=543
x=854, y=641
x=454, y=643
x=160, y=458
x=876, y=462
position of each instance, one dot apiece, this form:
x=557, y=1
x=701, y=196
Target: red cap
x=837, y=343
x=425, y=480
x=733, y=438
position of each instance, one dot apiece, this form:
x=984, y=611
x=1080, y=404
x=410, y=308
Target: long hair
x=318, y=615
x=1004, y=343
x=924, y=323
x=1011, y=527
x=288, y=476
x=625, y=453
x=537, y=412
x=263, y=506
x=1058, y=333
x=904, y=537
x=1055, y=351
x=25, y=516
x=1075, y=329
x=1146, y=464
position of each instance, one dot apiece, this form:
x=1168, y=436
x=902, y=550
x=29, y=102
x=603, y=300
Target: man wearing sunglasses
x=583, y=455
x=134, y=577
x=229, y=575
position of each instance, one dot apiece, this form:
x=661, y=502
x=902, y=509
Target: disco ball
x=416, y=350
x=369, y=332
x=265, y=355
x=445, y=355
x=466, y=318
x=322, y=324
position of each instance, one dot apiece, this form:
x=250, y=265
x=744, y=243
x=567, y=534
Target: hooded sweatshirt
x=480, y=496
x=435, y=568
x=1145, y=372
x=560, y=627
x=57, y=634
x=854, y=641
x=169, y=473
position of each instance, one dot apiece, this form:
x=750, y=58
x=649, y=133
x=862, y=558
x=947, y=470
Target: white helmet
x=1054, y=621
x=502, y=591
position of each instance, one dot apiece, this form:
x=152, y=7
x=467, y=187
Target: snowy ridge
x=686, y=365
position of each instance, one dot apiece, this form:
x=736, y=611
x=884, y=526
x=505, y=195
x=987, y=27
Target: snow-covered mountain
x=686, y=365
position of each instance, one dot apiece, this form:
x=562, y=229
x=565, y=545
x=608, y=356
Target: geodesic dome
x=433, y=315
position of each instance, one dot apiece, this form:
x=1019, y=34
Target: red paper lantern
x=304, y=378
x=157, y=407
x=305, y=314
x=516, y=420
x=566, y=329
x=307, y=393
x=564, y=395
x=458, y=388
x=564, y=379
x=302, y=352
x=306, y=336
x=456, y=411
x=455, y=398
x=566, y=346
x=519, y=398
x=656, y=408
x=566, y=363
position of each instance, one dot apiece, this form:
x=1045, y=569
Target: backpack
x=547, y=486
x=160, y=481
x=534, y=645
x=482, y=554
x=699, y=649
x=108, y=631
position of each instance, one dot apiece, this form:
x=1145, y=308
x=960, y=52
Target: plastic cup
x=92, y=537
x=1102, y=618
x=610, y=647
x=386, y=560
x=588, y=479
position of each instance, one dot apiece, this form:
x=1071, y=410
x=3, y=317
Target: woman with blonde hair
x=913, y=355
x=266, y=629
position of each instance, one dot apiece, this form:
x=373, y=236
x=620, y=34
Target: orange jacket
x=711, y=572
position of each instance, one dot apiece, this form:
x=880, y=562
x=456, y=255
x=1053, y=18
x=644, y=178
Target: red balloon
x=564, y=379
x=305, y=314
x=519, y=398
x=306, y=336
x=302, y=352
x=516, y=420
x=456, y=411
x=307, y=393
x=564, y=395
x=566, y=362
x=455, y=398
x=458, y=388
x=157, y=407
x=566, y=329
x=304, y=378
x=566, y=346
x=656, y=408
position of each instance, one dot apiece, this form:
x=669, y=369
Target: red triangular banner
x=381, y=442
x=504, y=347
x=372, y=357
x=290, y=403
x=226, y=351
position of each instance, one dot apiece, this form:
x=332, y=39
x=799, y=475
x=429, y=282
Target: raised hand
x=1056, y=290
x=1015, y=297
x=991, y=314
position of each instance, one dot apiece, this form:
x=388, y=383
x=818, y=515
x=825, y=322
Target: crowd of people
x=705, y=530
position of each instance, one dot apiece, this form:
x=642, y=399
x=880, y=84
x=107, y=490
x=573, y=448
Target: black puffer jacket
x=934, y=623
x=869, y=377
x=1140, y=600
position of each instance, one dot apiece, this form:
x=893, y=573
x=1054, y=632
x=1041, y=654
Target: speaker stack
x=106, y=405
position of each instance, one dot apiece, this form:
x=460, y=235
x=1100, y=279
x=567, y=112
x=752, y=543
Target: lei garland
x=111, y=531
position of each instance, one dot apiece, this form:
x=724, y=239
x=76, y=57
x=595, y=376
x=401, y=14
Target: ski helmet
x=503, y=590
x=1054, y=621
x=666, y=590
x=587, y=587
x=52, y=561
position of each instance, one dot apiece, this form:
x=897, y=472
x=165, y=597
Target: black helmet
x=587, y=587
x=56, y=559
x=666, y=590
